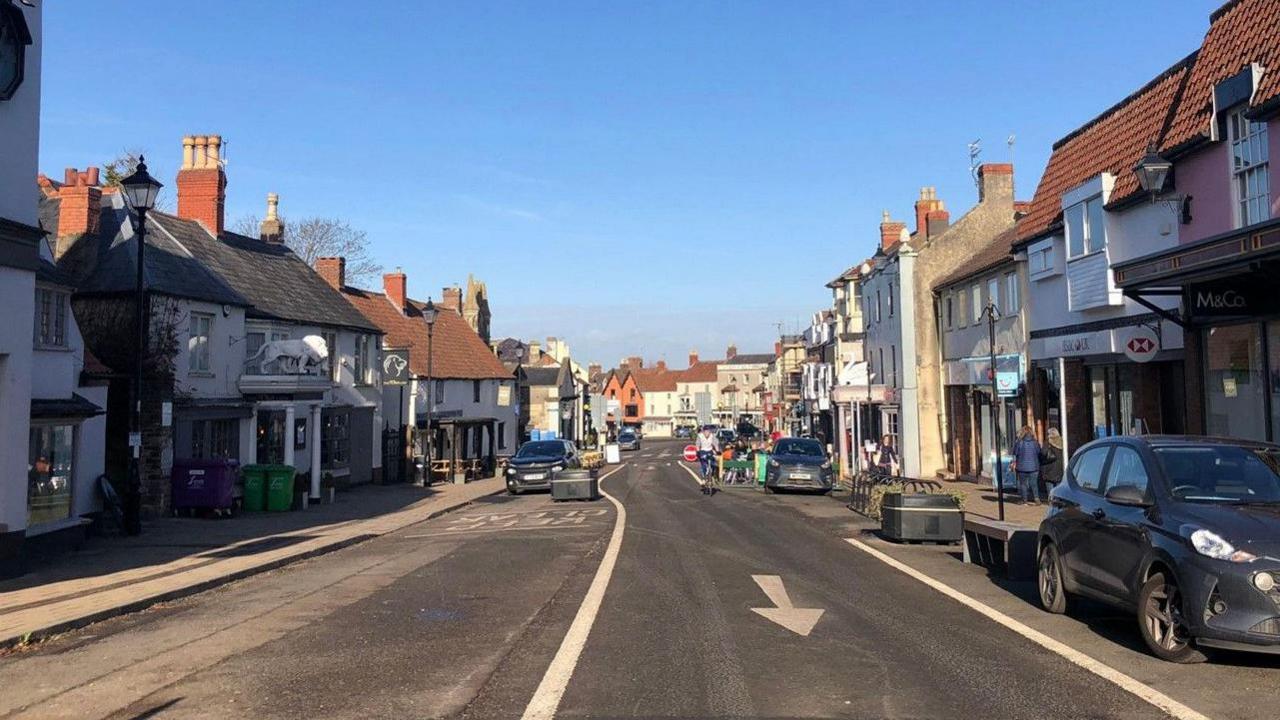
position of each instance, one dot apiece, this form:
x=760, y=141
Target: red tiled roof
x=1112, y=142
x=655, y=380
x=1240, y=32
x=699, y=372
x=458, y=351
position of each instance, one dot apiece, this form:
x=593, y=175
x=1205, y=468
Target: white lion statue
x=300, y=357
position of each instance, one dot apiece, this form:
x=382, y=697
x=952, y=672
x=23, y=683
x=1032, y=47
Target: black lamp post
x=519, y=397
x=140, y=190
x=992, y=314
x=429, y=315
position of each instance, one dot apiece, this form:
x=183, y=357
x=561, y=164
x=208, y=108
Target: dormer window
x=1086, y=228
x=1251, y=184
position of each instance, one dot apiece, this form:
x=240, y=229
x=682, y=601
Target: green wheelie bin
x=279, y=487
x=255, y=487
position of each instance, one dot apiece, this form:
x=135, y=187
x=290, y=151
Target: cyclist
x=708, y=447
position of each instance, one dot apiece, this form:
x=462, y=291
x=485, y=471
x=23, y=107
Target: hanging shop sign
x=1142, y=344
x=395, y=366
x=1232, y=297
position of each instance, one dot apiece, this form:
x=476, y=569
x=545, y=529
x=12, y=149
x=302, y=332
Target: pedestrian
x=887, y=458
x=1026, y=464
x=1051, y=462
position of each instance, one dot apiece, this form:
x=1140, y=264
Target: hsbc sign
x=1142, y=344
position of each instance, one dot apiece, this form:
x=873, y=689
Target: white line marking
x=692, y=474
x=546, y=699
x=798, y=620
x=1106, y=672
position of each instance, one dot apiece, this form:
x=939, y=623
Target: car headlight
x=511, y=471
x=557, y=468
x=826, y=465
x=1210, y=544
x=774, y=463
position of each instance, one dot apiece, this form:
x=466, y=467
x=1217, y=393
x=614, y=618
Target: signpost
x=690, y=453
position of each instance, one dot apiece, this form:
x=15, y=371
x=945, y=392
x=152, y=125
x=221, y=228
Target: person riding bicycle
x=708, y=447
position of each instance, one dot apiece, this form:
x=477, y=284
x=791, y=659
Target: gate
x=394, y=467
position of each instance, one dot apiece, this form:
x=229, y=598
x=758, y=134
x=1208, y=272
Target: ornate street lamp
x=1153, y=173
x=140, y=190
x=429, y=315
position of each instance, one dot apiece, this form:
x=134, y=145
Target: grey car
x=628, y=440
x=537, y=462
x=798, y=464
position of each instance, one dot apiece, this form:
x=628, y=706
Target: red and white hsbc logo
x=1142, y=345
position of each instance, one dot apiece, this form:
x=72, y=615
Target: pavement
x=667, y=603
x=174, y=557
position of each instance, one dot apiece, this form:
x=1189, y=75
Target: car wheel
x=1161, y=621
x=1053, y=596
x=513, y=490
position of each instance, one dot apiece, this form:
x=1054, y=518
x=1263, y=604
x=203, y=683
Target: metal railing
x=862, y=484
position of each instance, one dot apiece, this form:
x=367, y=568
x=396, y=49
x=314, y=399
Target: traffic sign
x=1142, y=345
x=690, y=453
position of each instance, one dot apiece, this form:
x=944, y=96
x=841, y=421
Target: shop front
x=1231, y=312
x=973, y=430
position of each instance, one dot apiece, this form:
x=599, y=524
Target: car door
x=1076, y=519
x=1120, y=541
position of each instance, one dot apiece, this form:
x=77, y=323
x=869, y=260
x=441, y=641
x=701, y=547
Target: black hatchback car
x=1183, y=531
x=536, y=463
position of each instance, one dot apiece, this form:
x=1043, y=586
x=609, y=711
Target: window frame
x=361, y=362
x=200, y=346
x=1242, y=155
x=890, y=299
x=475, y=391
x=993, y=293
x=37, y=426
x=976, y=300
x=50, y=327
x=1013, y=294
x=335, y=359
x=1088, y=239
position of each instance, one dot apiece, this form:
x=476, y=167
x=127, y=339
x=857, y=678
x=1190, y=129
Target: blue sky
x=636, y=177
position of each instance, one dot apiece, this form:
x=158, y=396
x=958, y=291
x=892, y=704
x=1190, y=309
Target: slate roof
x=1112, y=142
x=1240, y=32
x=996, y=253
x=458, y=352
x=275, y=281
x=541, y=375
x=752, y=359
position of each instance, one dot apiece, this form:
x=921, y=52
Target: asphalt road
x=461, y=617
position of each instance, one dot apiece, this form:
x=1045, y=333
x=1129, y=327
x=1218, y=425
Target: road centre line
x=546, y=699
x=1106, y=672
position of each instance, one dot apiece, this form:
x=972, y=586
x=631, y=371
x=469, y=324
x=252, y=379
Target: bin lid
x=919, y=500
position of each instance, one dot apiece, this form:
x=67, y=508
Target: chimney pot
x=79, y=208
x=202, y=186
x=271, y=229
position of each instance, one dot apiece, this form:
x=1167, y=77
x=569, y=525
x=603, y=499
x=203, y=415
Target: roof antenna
x=975, y=150
x=1012, y=139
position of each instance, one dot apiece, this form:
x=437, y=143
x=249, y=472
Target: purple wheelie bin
x=204, y=484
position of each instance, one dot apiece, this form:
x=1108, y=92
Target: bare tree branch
x=122, y=165
x=314, y=238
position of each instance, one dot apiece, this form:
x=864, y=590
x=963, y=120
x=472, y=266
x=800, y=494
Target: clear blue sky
x=637, y=177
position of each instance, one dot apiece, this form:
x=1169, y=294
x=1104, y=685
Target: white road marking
x=798, y=620
x=1106, y=672
x=692, y=474
x=546, y=699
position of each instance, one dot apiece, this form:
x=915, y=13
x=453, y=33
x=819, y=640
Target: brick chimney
x=995, y=182
x=891, y=231
x=272, y=229
x=595, y=369
x=662, y=365
x=777, y=348
x=931, y=215
x=731, y=352
x=79, y=209
x=202, y=186
x=333, y=270
x=693, y=358
x=635, y=362
x=451, y=299
x=396, y=287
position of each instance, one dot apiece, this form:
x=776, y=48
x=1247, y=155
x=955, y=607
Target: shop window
x=1249, y=168
x=51, y=318
x=1235, y=382
x=50, y=472
x=198, y=349
x=215, y=439
x=335, y=438
x=271, y=437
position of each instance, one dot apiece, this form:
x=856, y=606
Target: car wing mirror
x=1128, y=495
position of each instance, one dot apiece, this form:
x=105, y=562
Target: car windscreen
x=809, y=448
x=541, y=448
x=626, y=436
x=1221, y=473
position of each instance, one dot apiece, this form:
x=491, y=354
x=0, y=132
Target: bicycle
x=710, y=473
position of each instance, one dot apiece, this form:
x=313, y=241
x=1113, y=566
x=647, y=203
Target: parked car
x=748, y=431
x=726, y=437
x=628, y=440
x=537, y=462
x=1183, y=531
x=684, y=432
x=798, y=464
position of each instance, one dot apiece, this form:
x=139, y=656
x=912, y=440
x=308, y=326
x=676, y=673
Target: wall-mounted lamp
x=1153, y=173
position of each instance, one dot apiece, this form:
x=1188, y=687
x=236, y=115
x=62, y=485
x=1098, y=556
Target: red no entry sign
x=690, y=453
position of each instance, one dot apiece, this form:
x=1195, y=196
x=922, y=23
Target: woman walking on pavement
x=887, y=458
x=1051, y=462
x=1026, y=463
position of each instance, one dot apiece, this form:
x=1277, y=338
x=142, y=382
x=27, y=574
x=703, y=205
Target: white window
x=976, y=298
x=253, y=342
x=51, y=318
x=1040, y=260
x=878, y=304
x=360, y=371
x=962, y=303
x=438, y=396
x=1012, y=302
x=1249, y=176
x=890, y=299
x=993, y=293
x=201, y=326
x=335, y=360
x=1086, y=227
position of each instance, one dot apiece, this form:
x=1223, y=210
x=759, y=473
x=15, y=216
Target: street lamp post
x=429, y=315
x=140, y=190
x=993, y=314
x=519, y=398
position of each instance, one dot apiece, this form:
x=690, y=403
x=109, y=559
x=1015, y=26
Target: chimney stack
x=693, y=358
x=595, y=369
x=535, y=351
x=79, y=209
x=396, y=287
x=891, y=231
x=202, y=186
x=932, y=217
x=272, y=229
x=333, y=270
x=451, y=299
x=731, y=352
x=777, y=348
x=662, y=366
x=995, y=182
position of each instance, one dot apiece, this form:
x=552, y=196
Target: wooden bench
x=1005, y=547
x=443, y=469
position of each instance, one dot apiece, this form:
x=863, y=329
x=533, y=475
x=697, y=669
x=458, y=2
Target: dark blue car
x=1182, y=531
x=798, y=464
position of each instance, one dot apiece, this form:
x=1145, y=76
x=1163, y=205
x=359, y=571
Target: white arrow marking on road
x=798, y=620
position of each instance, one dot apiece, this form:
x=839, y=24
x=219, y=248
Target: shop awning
x=72, y=408
x=1232, y=274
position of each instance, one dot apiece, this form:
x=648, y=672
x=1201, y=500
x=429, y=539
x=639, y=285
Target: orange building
x=624, y=403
